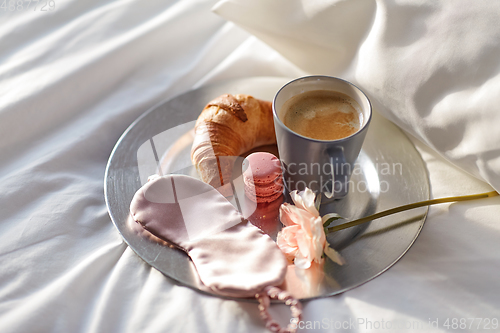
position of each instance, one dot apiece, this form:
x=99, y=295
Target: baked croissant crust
x=227, y=127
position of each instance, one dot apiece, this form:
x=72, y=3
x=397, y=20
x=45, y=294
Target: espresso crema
x=322, y=115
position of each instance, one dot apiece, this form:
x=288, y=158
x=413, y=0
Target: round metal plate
x=389, y=172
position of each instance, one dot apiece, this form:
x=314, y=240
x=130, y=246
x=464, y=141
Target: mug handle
x=336, y=158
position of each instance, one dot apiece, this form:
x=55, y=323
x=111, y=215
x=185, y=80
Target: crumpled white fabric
x=432, y=67
x=71, y=82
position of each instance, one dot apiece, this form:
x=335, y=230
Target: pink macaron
x=262, y=177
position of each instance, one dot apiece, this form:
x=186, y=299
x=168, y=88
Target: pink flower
x=303, y=238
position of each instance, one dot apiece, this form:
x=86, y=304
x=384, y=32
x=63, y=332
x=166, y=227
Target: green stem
x=408, y=207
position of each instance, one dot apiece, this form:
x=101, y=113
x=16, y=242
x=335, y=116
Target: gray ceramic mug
x=322, y=165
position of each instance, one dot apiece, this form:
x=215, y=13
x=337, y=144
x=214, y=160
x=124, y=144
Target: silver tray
x=389, y=172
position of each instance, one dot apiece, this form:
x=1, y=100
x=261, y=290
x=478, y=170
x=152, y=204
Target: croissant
x=227, y=127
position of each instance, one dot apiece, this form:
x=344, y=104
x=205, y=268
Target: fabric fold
x=431, y=67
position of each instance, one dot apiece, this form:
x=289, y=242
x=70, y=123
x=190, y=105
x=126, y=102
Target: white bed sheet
x=71, y=81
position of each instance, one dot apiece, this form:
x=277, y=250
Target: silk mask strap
x=264, y=299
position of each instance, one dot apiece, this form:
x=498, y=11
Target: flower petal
x=301, y=262
x=289, y=234
x=333, y=255
x=305, y=245
x=305, y=200
x=318, y=238
x=289, y=253
x=287, y=241
x=285, y=214
x=298, y=216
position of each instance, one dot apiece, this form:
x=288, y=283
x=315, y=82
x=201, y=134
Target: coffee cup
x=321, y=123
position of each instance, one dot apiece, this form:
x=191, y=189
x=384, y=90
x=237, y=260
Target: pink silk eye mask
x=232, y=256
